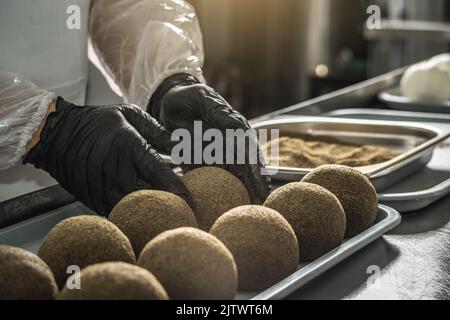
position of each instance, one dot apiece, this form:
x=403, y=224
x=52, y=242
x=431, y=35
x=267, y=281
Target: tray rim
x=317, y=267
x=429, y=117
x=45, y=215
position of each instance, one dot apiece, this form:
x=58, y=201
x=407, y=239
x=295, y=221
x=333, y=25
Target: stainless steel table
x=414, y=260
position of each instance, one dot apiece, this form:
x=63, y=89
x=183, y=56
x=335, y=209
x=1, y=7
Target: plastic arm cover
x=142, y=42
x=22, y=107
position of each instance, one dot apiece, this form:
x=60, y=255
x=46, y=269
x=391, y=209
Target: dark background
x=263, y=55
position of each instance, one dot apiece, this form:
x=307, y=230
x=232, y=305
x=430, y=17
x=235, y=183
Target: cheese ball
x=24, y=276
x=262, y=243
x=355, y=192
x=115, y=281
x=314, y=213
x=442, y=61
x=82, y=241
x=191, y=265
x=214, y=191
x=142, y=215
x=426, y=81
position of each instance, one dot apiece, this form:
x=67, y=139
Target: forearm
x=143, y=42
x=36, y=135
x=23, y=107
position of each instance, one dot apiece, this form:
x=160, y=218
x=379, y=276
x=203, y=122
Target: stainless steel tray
x=395, y=100
x=387, y=219
x=29, y=234
x=414, y=142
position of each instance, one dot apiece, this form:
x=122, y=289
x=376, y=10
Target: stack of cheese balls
x=155, y=246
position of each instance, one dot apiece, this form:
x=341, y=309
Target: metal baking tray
x=413, y=142
x=395, y=100
x=29, y=234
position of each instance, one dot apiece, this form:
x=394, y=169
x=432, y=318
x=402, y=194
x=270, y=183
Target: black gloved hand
x=102, y=153
x=181, y=99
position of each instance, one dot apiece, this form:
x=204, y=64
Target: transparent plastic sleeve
x=22, y=108
x=142, y=42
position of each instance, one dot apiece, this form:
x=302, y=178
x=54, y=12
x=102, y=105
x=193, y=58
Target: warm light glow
x=321, y=70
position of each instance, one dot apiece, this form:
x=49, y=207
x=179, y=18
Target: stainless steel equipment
x=413, y=142
x=360, y=101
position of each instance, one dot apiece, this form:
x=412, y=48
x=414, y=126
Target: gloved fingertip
x=186, y=196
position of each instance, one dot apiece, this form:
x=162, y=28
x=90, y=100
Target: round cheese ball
x=191, y=265
x=355, y=192
x=144, y=214
x=214, y=191
x=115, y=281
x=314, y=213
x=81, y=241
x=24, y=276
x=442, y=61
x=262, y=243
x=426, y=81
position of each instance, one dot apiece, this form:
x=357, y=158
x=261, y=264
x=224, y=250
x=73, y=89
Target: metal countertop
x=414, y=262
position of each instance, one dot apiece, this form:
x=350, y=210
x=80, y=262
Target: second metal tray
x=29, y=234
x=414, y=143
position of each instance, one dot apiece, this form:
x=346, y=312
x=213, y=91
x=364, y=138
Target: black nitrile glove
x=102, y=153
x=181, y=99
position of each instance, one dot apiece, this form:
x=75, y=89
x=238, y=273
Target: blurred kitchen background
x=263, y=55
